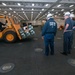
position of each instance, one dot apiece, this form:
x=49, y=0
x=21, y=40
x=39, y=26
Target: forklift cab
x=9, y=32
x=14, y=30
x=3, y=23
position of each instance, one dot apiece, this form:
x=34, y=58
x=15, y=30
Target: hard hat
x=67, y=14
x=72, y=15
x=49, y=16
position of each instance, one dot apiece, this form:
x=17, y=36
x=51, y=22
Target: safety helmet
x=49, y=16
x=72, y=15
x=67, y=14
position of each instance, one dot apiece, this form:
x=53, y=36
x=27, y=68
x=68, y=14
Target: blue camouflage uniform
x=49, y=31
x=68, y=36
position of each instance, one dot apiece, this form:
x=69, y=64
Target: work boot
x=46, y=54
x=64, y=53
x=69, y=52
x=52, y=53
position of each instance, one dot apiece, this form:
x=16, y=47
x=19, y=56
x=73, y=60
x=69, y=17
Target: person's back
x=48, y=32
x=49, y=28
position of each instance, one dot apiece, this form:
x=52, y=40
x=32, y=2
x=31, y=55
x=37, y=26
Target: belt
x=68, y=30
x=49, y=32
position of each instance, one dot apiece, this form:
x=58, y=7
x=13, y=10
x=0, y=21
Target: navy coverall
x=73, y=25
x=73, y=32
x=68, y=36
x=49, y=31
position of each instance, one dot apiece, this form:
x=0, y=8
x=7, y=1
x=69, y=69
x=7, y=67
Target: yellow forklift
x=13, y=30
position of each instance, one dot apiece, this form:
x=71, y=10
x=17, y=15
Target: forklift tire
x=10, y=37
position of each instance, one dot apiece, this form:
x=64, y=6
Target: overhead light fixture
x=22, y=9
x=5, y=12
x=32, y=12
x=62, y=10
x=59, y=5
x=33, y=4
x=56, y=12
x=40, y=12
x=14, y=11
x=71, y=5
x=52, y=9
x=42, y=9
x=23, y=12
x=32, y=9
x=12, y=15
x=4, y=4
x=9, y=14
x=46, y=5
x=10, y=8
x=19, y=4
x=72, y=10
